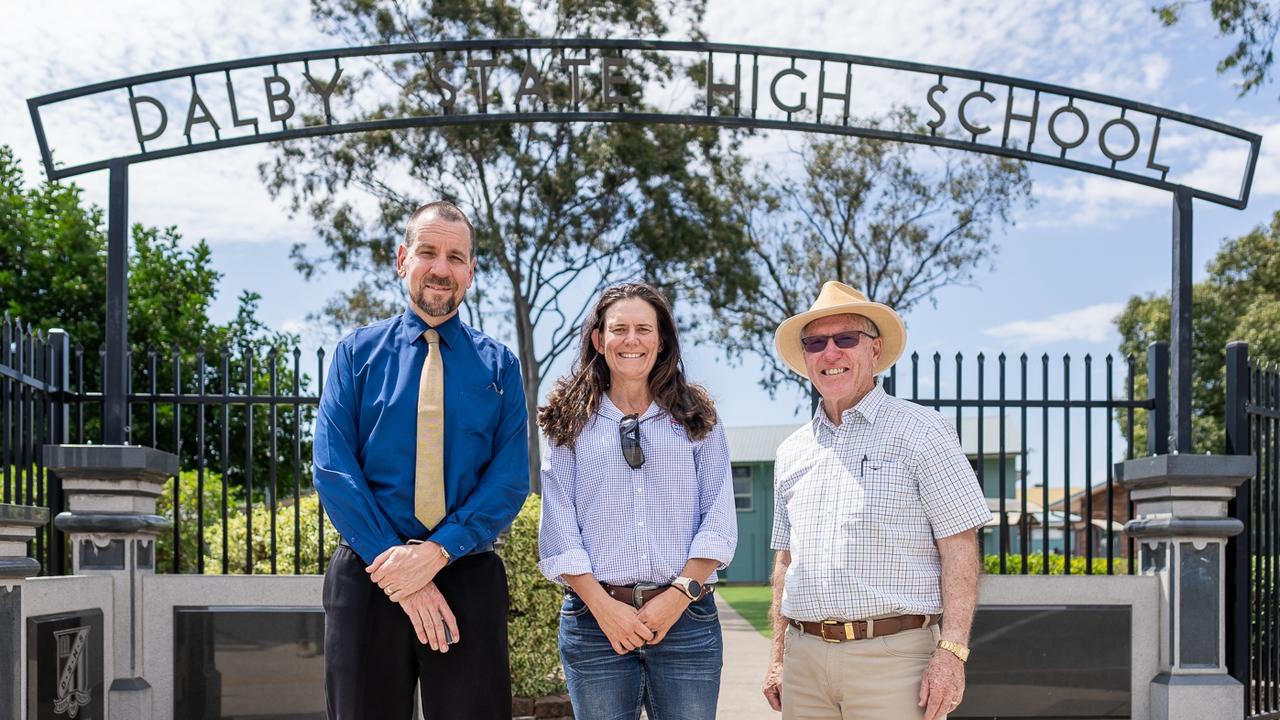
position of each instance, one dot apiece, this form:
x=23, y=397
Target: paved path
x=746, y=653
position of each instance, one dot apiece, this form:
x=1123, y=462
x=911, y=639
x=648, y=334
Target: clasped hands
x=628, y=628
x=406, y=573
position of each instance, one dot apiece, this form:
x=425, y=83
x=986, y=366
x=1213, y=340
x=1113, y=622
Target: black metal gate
x=1253, y=557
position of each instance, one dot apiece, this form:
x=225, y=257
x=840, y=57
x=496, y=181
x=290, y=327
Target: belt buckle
x=848, y=630
x=637, y=593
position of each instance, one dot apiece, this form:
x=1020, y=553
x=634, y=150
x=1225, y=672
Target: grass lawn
x=751, y=602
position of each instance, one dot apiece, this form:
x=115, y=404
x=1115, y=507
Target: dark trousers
x=373, y=658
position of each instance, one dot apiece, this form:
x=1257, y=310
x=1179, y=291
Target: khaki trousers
x=873, y=679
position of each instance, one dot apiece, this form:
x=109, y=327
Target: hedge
x=1057, y=563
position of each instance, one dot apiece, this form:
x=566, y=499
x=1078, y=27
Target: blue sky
x=1062, y=272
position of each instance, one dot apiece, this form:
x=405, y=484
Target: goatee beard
x=440, y=309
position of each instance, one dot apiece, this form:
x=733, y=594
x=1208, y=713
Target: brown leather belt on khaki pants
x=841, y=630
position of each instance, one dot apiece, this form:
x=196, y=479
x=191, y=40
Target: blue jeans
x=677, y=679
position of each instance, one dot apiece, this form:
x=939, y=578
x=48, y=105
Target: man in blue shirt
x=415, y=593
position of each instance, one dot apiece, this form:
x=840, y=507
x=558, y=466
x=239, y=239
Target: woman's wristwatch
x=691, y=588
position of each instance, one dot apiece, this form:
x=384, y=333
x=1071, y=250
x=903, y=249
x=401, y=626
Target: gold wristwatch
x=956, y=649
x=443, y=552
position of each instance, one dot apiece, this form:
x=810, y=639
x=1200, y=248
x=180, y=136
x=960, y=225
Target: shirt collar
x=611, y=412
x=867, y=408
x=412, y=328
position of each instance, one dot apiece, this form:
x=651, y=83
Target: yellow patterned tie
x=428, y=468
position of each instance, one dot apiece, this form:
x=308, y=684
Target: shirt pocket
x=481, y=408
x=888, y=490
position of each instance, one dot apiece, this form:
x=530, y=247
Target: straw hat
x=837, y=298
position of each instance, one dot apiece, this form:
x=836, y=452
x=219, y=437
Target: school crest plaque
x=65, y=666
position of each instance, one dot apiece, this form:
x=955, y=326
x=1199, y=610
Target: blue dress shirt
x=367, y=430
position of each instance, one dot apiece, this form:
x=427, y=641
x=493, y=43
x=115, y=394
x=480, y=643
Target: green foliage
x=535, y=610
x=1253, y=24
x=1057, y=565
x=289, y=517
x=1238, y=300
x=895, y=220
x=53, y=261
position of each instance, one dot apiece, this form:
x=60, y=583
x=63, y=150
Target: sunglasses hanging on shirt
x=629, y=435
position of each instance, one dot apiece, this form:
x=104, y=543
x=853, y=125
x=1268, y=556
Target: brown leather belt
x=638, y=595
x=841, y=630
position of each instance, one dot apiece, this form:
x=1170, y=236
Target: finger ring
x=954, y=703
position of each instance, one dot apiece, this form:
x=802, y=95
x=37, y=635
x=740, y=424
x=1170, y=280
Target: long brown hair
x=576, y=396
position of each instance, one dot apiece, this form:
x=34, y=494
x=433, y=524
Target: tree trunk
x=532, y=379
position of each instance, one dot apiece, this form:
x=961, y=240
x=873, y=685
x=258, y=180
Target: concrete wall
x=1142, y=594
x=163, y=593
x=54, y=595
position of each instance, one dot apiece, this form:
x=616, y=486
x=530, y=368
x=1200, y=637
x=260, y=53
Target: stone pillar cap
x=1219, y=470
x=110, y=462
x=23, y=515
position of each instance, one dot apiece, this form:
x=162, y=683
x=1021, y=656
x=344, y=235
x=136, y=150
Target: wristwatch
x=443, y=552
x=690, y=587
x=956, y=649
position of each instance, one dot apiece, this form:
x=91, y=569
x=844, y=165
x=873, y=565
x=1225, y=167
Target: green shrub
x=535, y=610
x=191, y=544
x=1035, y=565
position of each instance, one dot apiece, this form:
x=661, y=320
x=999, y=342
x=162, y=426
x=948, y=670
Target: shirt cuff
x=456, y=539
x=570, y=562
x=369, y=548
x=713, y=546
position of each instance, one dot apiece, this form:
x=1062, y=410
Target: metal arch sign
x=241, y=102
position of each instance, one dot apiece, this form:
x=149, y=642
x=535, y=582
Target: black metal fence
x=32, y=414
x=1082, y=530
x=1253, y=557
x=241, y=422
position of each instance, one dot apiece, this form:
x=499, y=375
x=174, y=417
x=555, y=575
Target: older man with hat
x=877, y=567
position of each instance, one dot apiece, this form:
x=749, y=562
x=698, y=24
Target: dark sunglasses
x=844, y=341
x=629, y=434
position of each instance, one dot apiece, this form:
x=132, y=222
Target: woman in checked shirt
x=637, y=516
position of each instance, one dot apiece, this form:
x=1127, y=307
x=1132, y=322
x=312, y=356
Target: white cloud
x=1089, y=324
x=1082, y=200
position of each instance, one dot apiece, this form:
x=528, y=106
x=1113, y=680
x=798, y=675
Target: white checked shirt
x=629, y=526
x=860, y=504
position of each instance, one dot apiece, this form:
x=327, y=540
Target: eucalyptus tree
x=897, y=221
x=561, y=210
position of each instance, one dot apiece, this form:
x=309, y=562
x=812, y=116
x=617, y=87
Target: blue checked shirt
x=629, y=526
